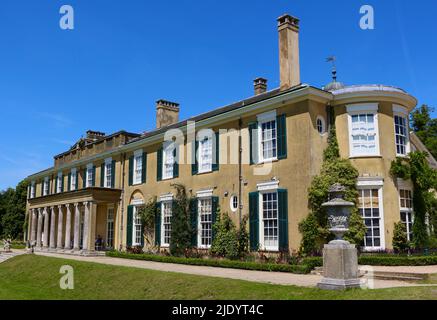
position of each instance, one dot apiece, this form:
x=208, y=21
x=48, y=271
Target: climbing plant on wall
x=416, y=168
x=314, y=228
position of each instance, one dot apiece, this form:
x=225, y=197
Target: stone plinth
x=340, y=266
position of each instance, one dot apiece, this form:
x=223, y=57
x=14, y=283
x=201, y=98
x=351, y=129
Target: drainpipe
x=123, y=159
x=240, y=176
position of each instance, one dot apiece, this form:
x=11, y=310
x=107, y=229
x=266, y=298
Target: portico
x=68, y=222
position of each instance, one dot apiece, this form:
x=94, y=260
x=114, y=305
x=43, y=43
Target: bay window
x=363, y=130
x=370, y=208
x=400, y=116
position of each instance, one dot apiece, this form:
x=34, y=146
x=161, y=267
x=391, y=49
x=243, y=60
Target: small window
x=234, y=203
x=169, y=160
x=138, y=168
x=108, y=174
x=89, y=176
x=205, y=155
x=320, y=123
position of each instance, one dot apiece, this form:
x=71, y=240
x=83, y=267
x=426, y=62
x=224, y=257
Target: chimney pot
x=167, y=113
x=260, y=85
x=289, y=65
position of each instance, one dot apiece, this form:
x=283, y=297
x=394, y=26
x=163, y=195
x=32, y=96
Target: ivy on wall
x=314, y=228
x=424, y=179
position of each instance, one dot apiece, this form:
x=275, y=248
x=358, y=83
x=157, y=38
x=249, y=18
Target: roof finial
x=334, y=69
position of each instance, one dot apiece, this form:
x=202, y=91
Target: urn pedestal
x=340, y=266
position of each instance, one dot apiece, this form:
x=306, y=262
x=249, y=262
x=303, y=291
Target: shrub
x=396, y=260
x=400, y=239
x=300, y=269
x=243, y=237
x=180, y=222
x=225, y=242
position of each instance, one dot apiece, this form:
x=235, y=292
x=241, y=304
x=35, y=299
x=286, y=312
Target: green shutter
x=282, y=136
x=176, y=163
x=69, y=182
x=130, y=221
x=216, y=153
x=49, y=185
x=113, y=174
x=94, y=177
x=77, y=180
x=194, y=165
x=62, y=183
x=158, y=224
x=102, y=175
x=254, y=220
x=253, y=136
x=42, y=187
x=283, y=219
x=131, y=170
x=84, y=179
x=215, y=203
x=159, y=165
x=56, y=184
x=193, y=218
x=144, y=171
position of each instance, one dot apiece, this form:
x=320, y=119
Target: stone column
x=46, y=229
x=39, y=230
x=33, y=227
x=67, y=245
x=76, y=227
x=86, y=226
x=52, y=228
x=60, y=227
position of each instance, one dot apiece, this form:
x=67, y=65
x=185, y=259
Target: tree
x=13, y=211
x=400, y=239
x=314, y=228
x=424, y=179
x=425, y=127
x=181, y=231
x=225, y=242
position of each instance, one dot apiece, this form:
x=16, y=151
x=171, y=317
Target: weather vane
x=332, y=59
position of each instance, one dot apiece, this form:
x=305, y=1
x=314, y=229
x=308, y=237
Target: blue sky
x=122, y=56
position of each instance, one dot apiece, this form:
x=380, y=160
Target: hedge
x=300, y=269
x=394, y=260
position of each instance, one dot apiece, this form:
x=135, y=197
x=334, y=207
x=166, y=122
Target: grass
x=37, y=277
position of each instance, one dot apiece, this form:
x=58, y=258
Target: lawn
x=37, y=277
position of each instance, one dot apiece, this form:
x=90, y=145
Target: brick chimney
x=289, y=67
x=260, y=85
x=94, y=135
x=167, y=113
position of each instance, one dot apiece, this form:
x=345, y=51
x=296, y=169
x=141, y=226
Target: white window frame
x=59, y=182
x=89, y=174
x=45, y=186
x=263, y=188
x=108, y=173
x=135, y=224
x=73, y=176
x=264, y=118
x=323, y=124
x=165, y=201
x=203, y=195
x=375, y=183
x=400, y=111
x=407, y=211
x=360, y=109
x=168, y=146
x=205, y=136
x=32, y=189
x=138, y=172
x=110, y=220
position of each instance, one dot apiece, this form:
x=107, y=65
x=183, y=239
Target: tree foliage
x=314, y=228
x=13, y=211
x=400, y=239
x=425, y=127
x=424, y=179
x=181, y=230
